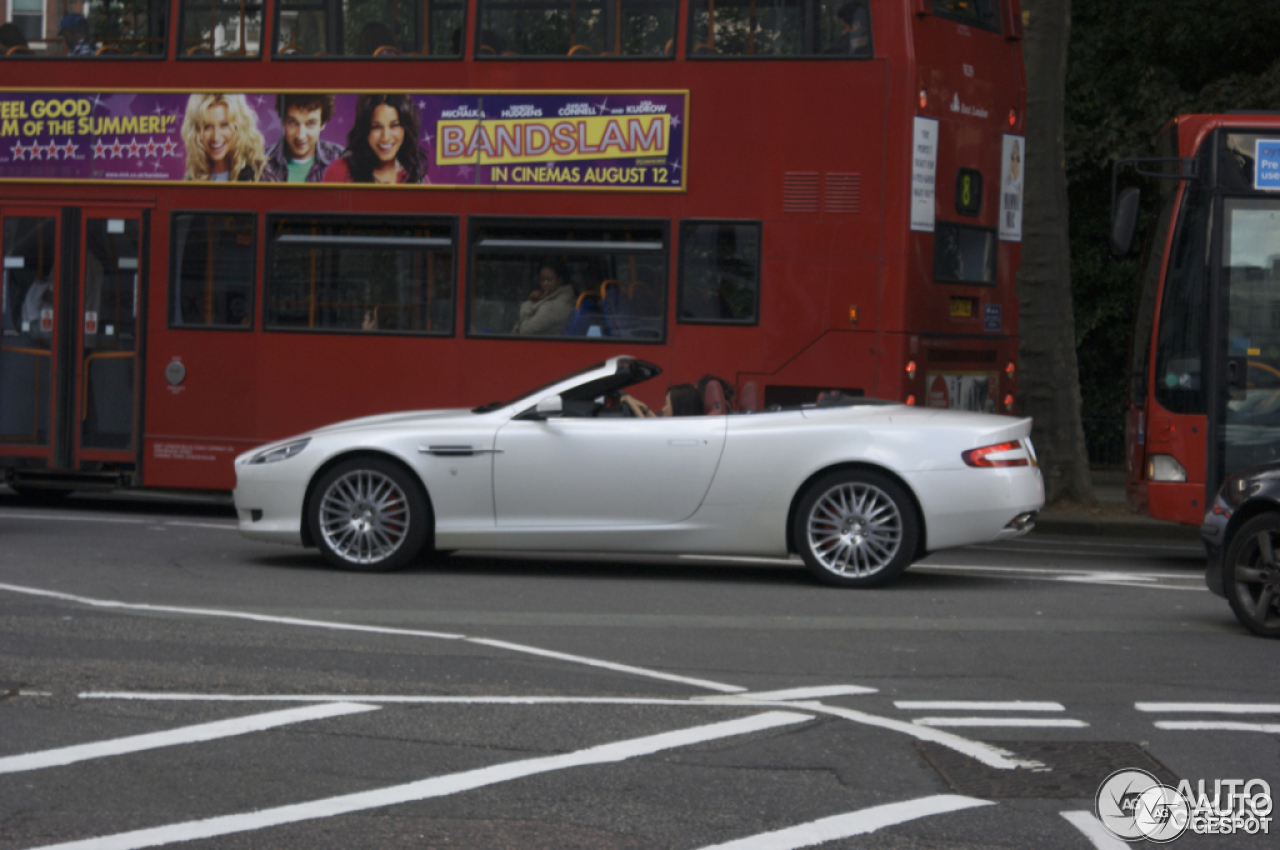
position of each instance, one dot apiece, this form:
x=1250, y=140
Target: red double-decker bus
x=224, y=222
x=1204, y=392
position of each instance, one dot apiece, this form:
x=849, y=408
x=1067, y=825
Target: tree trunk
x=1049, y=379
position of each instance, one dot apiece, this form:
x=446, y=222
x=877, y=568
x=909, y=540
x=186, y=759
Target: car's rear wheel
x=369, y=514
x=856, y=528
x=1251, y=575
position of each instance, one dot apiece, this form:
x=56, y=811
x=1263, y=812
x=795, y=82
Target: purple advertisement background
x=128, y=136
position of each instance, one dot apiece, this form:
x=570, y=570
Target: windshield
x=630, y=371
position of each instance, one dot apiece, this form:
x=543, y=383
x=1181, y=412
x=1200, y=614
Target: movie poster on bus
x=1011, y=183
x=505, y=140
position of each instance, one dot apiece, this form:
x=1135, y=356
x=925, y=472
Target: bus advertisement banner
x=502, y=140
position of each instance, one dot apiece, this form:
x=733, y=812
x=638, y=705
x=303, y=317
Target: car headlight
x=284, y=452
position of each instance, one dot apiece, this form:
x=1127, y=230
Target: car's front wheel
x=368, y=514
x=1251, y=575
x=856, y=528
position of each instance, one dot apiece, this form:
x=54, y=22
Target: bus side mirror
x=1124, y=219
x=550, y=406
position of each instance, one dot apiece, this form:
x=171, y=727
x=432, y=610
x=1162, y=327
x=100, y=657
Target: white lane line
x=1033, y=574
x=172, y=737
x=988, y=754
x=1045, y=722
x=411, y=699
x=607, y=665
x=1212, y=707
x=323, y=624
x=437, y=786
x=818, y=692
x=230, y=525
x=979, y=705
x=1094, y=831
x=1218, y=726
x=860, y=822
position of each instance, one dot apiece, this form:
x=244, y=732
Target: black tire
x=856, y=528
x=1251, y=575
x=367, y=514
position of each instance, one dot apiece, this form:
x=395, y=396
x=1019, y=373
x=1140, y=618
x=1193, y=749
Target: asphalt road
x=166, y=681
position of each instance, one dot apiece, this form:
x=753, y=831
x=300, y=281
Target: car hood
x=392, y=420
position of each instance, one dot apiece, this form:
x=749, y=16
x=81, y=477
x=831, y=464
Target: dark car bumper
x=1214, y=533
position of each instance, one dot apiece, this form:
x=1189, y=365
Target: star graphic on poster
x=427, y=137
x=602, y=108
x=19, y=152
x=117, y=149
x=99, y=150
x=422, y=106
x=675, y=169
x=152, y=147
x=464, y=171
x=71, y=150
x=97, y=101
x=170, y=149
x=134, y=148
x=53, y=151
x=37, y=151
x=675, y=120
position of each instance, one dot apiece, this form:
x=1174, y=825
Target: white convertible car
x=859, y=488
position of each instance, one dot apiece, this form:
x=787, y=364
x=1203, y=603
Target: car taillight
x=1000, y=454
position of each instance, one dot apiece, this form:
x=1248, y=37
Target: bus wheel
x=368, y=514
x=40, y=495
x=856, y=528
x=1251, y=575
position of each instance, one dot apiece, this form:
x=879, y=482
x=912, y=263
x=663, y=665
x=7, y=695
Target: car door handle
x=456, y=451
x=682, y=442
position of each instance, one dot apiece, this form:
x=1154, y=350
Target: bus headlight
x=1165, y=468
x=284, y=452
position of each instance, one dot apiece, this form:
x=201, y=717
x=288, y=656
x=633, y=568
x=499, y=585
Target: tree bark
x=1049, y=379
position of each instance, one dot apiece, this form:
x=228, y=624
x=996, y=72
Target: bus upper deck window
x=104, y=31
x=361, y=29
x=980, y=13
x=744, y=28
x=221, y=29
x=575, y=28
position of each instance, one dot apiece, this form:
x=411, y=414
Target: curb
x=1137, y=527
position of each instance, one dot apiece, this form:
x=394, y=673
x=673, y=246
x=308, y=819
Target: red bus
x=1204, y=394
x=198, y=256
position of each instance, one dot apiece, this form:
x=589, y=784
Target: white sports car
x=859, y=488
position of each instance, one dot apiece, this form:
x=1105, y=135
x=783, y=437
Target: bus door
x=1248, y=343
x=68, y=364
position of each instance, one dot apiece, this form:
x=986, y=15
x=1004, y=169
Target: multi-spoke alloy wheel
x=1251, y=575
x=856, y=528
x=367, y=514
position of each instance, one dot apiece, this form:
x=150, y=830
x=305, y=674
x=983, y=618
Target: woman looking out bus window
x=221, y=135
x=382, y=145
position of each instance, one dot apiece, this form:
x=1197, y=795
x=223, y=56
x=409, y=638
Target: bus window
x=221, y=29
x=1184, y=309
x=571, y=280
x=364, y=28
x=963, y=254
x=577, y=28
x=212, y=279
x=719, y=272
x=104, y=31
x=364, y=274
x=980, y=13
x=837, y=28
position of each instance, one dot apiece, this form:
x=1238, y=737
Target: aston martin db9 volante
x=860, y=488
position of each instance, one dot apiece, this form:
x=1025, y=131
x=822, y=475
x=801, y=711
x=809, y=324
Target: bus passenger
x=221, y=134
x=855, y=30
x=382, y=145
x=301, y=156
x=11, y=36
x=548, y=308
x=74, y=32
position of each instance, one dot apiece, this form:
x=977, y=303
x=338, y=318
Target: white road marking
x=1212, y=707
x=229, y=525
x=988, y=754
x=854, y=823
x=1094, y=831
x=1146, y=580
x=185, y=735
x=411, y=699
x=324, y=624
x=1218, y=726
x=806, y=693
x=978, y=705
x=1046, y=722
x=437, y=786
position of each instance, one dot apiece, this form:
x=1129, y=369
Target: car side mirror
x=552, y=405
x=1124, y=219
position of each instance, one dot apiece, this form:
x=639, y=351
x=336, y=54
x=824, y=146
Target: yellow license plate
x=961, y=308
